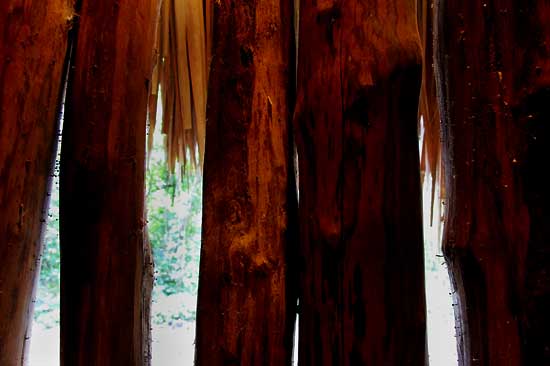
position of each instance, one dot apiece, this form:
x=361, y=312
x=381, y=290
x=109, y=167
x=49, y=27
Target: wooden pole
x=103, y=257
x=33, y=48
x=359, y=74
x=493, y=70
x=246, y=304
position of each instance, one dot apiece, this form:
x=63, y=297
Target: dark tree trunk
x=493, y=69
x=33, y=47
x=102, y=186
x=246, y=304
x=359, y=74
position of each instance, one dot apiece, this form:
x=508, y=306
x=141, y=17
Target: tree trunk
x=246, y=304
x=33, y=47
x=359, y=74
x=493, y=69
x=102, y=186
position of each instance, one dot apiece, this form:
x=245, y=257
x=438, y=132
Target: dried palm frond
x=180, y=80
x=429, y=111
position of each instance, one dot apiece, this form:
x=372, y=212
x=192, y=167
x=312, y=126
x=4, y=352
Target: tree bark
x=33, y=47
x=246, y=303
x=102, y=186
x=362, y=289
x=493, y=70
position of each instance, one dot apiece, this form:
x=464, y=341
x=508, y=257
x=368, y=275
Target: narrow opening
x=44, y=342
x=174, y=212
x=296, y=334
x=439, y=302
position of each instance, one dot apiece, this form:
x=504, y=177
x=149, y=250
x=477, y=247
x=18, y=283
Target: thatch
x=429, y=112
x=180, y=80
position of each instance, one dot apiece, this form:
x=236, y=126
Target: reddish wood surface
x=33, y=46
x=493, y=69
x=102, y=186
x=359, y=74
x=430, y=159
x=246, y=304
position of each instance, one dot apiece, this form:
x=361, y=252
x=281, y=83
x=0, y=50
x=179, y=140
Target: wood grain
x=362, y=298
x=33, y=48
x=246, y=303
x=103, y=256
x=493, y=70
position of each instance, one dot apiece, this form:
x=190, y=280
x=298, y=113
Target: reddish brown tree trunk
x=102, y=186
x=246, y=305
x=359, y=73
x=33, y=47
x=493, y=61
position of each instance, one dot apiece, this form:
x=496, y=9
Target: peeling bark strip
x=362, y=290
x=245, y=313
x=33, y=46
x=493, y=69
x=102, y=186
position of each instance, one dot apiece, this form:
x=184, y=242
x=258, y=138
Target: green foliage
x=174, y=219
x=46, y=307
